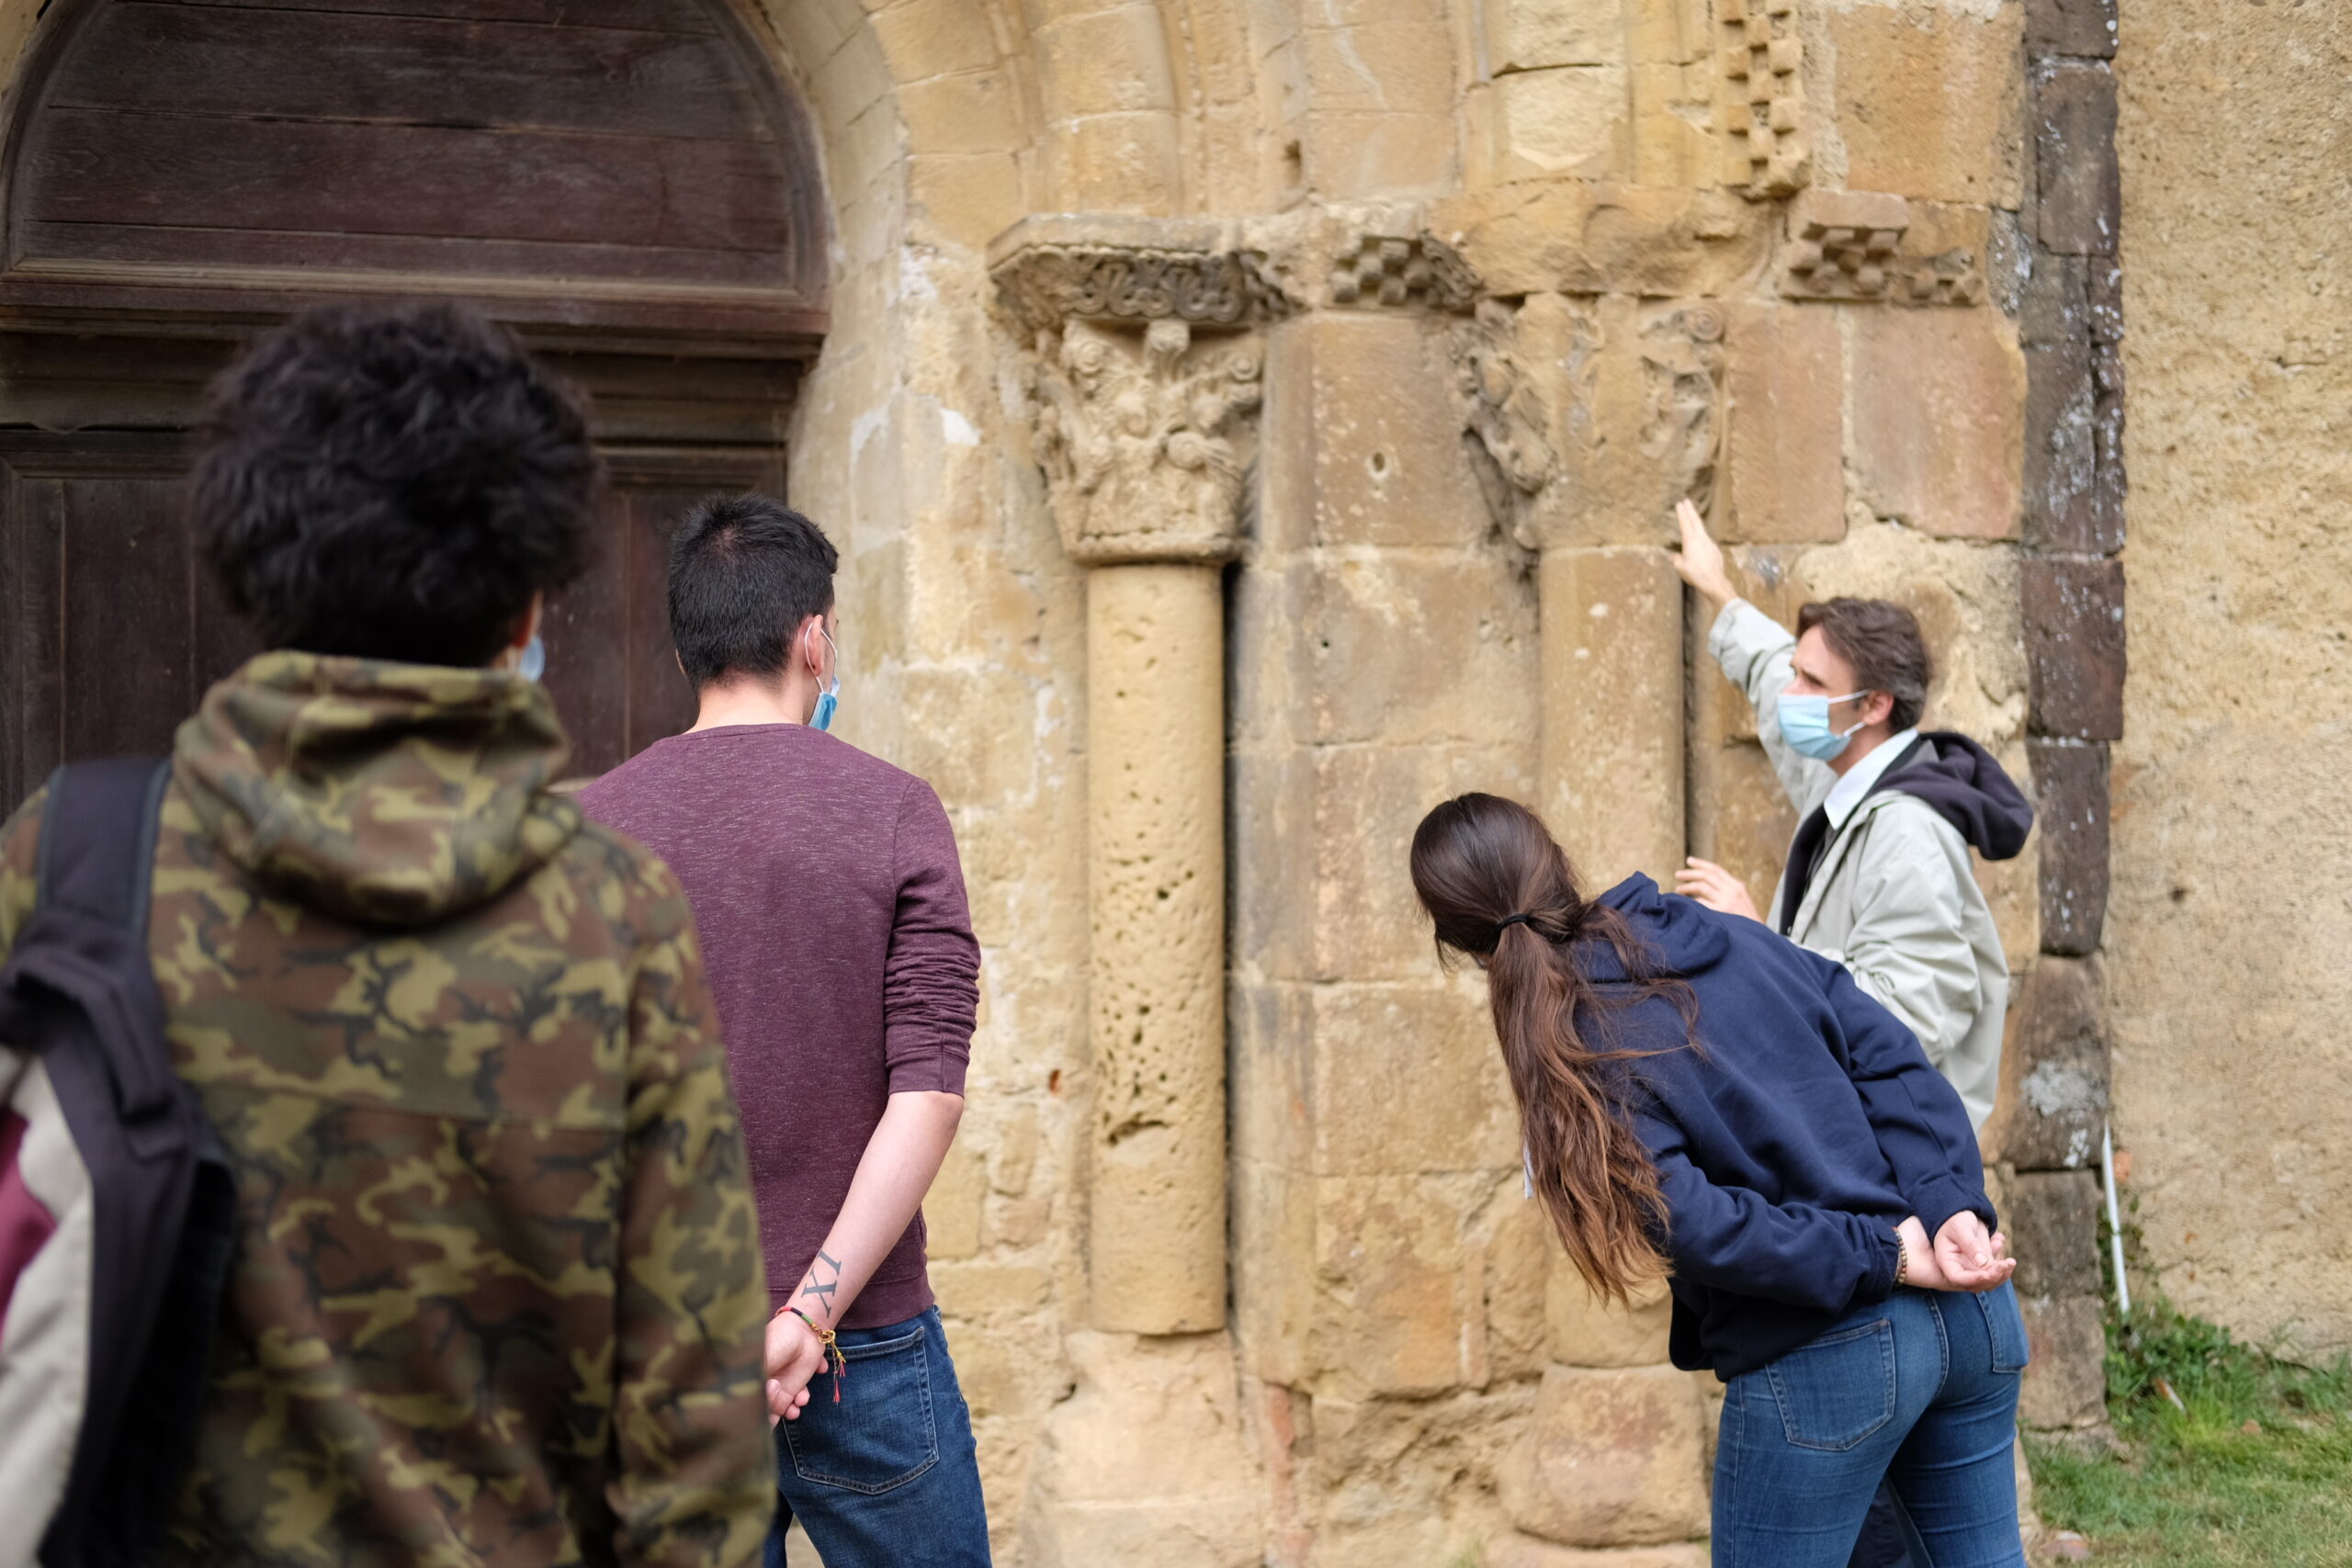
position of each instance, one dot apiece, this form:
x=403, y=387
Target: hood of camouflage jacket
x=383, y=793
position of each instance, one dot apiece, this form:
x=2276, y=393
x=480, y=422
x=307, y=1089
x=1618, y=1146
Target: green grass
x=2197, y=1488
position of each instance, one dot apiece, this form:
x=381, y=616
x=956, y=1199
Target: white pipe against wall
x=2114, y=1220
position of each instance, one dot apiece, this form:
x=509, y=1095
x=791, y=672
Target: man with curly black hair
x=398, y=483
x=497, y=1295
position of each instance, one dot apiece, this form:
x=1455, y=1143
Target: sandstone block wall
x=1245, y=423
x=2227, y=924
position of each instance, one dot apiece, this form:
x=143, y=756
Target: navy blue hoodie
x=1790, y=1143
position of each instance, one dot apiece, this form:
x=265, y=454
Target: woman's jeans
x=888, y=1475
x=1921, y=1389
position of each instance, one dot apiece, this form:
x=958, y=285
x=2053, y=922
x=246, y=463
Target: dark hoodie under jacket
x=1790, y=1145
x=1968, y=789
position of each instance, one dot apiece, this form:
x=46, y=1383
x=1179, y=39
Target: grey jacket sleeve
x=1757, y=654
x=1907, y=946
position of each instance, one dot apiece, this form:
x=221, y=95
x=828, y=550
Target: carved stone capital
x=1146, y=438
x=1503, y=415
x=1639, y=421
x=1143, y=376
x=1131, y=270
x=1682, y=391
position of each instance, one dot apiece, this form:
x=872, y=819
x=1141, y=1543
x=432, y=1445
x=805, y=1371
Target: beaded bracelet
x=1902, y=1260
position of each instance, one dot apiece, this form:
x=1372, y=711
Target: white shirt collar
x=1847, y=791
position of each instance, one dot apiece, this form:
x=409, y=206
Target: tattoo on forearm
x=823, y=1290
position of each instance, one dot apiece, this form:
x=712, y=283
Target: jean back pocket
x=2004, y=1327
x=1839, y=1390
x=881, y=1434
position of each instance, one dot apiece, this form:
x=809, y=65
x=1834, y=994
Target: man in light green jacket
x=1879, y=877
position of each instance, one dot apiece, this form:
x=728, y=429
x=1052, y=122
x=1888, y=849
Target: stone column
x=1612, y=778
x=1155, y=706
x=1144, y=371
x=1145, y=378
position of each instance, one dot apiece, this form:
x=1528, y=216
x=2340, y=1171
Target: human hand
x=1718, y=889
x=794, y=1355
x=1702, y=561
x=1919, y=1270
x=1970, y=1259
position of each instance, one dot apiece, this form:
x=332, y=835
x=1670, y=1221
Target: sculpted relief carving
x=1763, y=96
x=1376, y=269
x=1682, y=384
x=1045, y=285
x=1639, y=390
x=1146, y=443
x=1144, y=381
x=1503, y=414
x=1143, y=373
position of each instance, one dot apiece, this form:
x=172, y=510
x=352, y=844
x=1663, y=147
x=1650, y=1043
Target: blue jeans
x=887, y=1475
x=1920, y=1389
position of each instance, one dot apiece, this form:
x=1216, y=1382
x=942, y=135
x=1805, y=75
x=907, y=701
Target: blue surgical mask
x=534, y=662
x=829, y=700
x=1805, y=725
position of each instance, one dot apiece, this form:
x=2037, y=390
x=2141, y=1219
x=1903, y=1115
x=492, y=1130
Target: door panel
x=105, y=651
x=629, y=182
x=127, y=631
x=634, y=165
x=115, y=630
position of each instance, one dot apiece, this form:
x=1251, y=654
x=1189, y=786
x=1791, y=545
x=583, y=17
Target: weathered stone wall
x=1314, y=460
x=2228, y=923
x=1513, y=276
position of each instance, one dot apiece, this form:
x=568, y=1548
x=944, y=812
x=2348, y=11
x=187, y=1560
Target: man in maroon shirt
x=830, y=900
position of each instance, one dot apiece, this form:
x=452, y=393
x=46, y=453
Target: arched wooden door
x=627, y=182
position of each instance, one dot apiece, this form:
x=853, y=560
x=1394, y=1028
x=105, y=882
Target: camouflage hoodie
x=498, y=1296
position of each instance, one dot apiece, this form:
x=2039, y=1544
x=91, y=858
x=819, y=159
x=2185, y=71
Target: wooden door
x=629, y=182
x=578, y=163
x=113, y=628
x=112, y=631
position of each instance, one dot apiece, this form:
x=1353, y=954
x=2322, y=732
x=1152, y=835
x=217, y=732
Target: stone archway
x=632, y=186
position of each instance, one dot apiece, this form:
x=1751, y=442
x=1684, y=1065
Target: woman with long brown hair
x=1703, y=1101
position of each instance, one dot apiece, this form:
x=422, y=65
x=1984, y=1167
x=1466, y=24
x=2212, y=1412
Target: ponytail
x=1501, y=889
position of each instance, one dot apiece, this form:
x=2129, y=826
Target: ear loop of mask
x=829, y=700
x=1859, y=723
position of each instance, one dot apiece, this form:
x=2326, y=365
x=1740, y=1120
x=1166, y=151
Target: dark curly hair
x=391, y=481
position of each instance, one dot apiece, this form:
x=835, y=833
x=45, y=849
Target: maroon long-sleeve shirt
x=839, y=948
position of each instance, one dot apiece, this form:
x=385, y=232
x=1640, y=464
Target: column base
x=1149, y=1460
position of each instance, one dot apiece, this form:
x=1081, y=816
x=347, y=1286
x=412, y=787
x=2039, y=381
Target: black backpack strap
x=81, y=983
x=96, y=864
x=97, y=838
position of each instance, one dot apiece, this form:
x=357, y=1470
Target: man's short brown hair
x=1882, y=641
